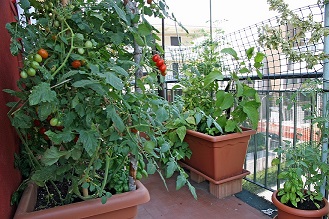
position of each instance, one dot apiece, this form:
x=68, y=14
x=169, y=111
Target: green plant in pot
x=85, y=131
x=303, y=175
x=306, y=167
x=218, y=102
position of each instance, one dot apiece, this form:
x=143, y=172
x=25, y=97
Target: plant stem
x=69, y=52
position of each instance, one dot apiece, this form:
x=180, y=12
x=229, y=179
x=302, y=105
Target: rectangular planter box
x=218, y=157
x=120, y=206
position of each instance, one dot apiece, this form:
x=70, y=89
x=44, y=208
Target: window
x=175, y=41
x=175, y=69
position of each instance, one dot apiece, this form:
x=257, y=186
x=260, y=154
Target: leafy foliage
x=101, y=123
x=221, y=110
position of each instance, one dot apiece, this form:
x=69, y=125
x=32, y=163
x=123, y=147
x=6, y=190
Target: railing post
x=325, y=91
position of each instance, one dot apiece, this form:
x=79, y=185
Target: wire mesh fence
x=281, y=119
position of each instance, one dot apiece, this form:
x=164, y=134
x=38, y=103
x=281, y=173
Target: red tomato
x=163, y=69
x=42, y=130
x=37, y=123
x=43, y=53
x=159, y=62
x=149, y=1
x=76, y=138
x=76, y=64
x=155, y=57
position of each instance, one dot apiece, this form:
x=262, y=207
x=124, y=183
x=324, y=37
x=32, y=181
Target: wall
x=9, y=176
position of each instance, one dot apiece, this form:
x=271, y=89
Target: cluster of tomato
x=51, y=123
x=159, y=62
x=78, y=63
x=34, y=63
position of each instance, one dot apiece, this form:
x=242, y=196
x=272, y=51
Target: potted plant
x=218, y=102
x=88, y=133
x=304, y=174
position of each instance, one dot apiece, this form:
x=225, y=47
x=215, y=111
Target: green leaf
x=259, y=57
x=192, y=190
x=45, y=109
x=230, y=126
x=139, y=40
x=224, y=100
x=114, y=81
x=52, y=155
x=120, y=12
x=120, y=71
x=44, y=174
x=144, y=29
x=190, y=120
x=161, y=114
x=151, y=168
x=97, y=15
x=251, y=109
x=181, y=132
x=231, y=52
x=244, y=70
x=250, y=52
x=89, y=140
x=42, y=93
x=171, y=167
x=112, y=114
x=149, y=146
x=83, y=83
x=213, y=76
x=180, y=182
x=21, y=120
x=165, y=147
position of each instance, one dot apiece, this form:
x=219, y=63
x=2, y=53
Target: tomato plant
x=82, y=107
x=76, y=64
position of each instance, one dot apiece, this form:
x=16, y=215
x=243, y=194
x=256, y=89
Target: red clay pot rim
x=245, y=132
x=84, y=208
x=303, y=213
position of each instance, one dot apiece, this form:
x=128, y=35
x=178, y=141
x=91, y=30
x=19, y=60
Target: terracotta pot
x=218, y=157
x=120, y=206
x=286, y=212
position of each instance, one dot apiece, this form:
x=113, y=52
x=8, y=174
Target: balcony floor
x=180, y=204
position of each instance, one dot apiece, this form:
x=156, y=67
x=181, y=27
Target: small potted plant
x=219, y=102
x=87, y=135
x=303, y=174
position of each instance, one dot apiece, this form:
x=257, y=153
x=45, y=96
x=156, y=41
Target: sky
x=229, y=15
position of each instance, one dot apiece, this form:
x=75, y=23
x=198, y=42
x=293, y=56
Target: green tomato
x=53, y=122
x=31, y=71
x=81, y=51
x=23, y=74
x=35, y=65
x=88, y=44
x=37, y=58
x=56, y=23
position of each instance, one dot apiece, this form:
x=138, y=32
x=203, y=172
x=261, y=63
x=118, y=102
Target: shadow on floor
x=180, y=204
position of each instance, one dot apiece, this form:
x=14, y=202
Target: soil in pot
x=305, y=205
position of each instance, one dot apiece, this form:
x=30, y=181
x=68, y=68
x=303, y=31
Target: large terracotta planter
x=286, y=212
x=218, y=157
x=120, y=206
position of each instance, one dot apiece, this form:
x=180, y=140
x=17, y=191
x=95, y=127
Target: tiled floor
x=180, y=204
